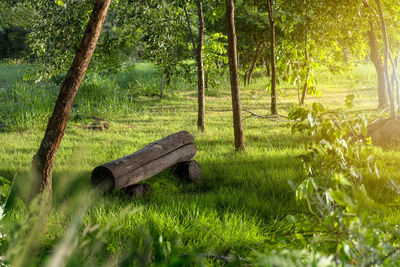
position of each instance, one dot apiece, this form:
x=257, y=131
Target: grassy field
x=241, y=207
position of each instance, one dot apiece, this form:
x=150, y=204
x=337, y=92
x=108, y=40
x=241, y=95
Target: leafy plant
x=344, y=220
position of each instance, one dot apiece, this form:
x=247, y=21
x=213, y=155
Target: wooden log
x=144, y=163
x=188, y=171
x=138, y=190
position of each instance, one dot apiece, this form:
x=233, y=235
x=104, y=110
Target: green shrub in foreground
x=343, y=222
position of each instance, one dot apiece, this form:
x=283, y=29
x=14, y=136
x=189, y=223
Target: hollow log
x=188, y=171
x=145, y=163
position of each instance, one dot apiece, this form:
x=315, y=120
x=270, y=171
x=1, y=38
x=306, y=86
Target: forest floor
x=245, y=199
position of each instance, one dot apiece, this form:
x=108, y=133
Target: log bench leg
x=188, y=171
x=138, y=190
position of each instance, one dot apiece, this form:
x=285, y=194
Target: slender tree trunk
x=376, y=60
x=190, y=30
x=167, y=77
x=206, y=78
x=267, y=66
x=200, y=70
x=274, y=109
x=396, y=79
x=161, y=87
x=43, y=160
x=198, y=56
x=253, y=64
x=234, y=77
x=244, y=68
x=386, y=59
x=305, y=86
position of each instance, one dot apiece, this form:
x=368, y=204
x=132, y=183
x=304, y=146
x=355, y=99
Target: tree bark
x=274, y=109
x=386, y=59
x=267, y=66
x=200, y=70
x=305, y=86
x=396, y=79
x=139, y=190
x=167, y=77
x=145, y=162
x=161, y=87
x=43, y=160
x=188, y=171
x=191, y=35
x=376, y=60
x=234, y=77
x=198, y=56
x=253, y=64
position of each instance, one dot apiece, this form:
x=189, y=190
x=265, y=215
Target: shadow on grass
x=256, y=187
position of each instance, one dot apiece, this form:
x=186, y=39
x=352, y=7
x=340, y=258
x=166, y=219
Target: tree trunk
x=198, y=56
x=395, y=79
x=274, y=109
x=200, y=70
x=144, y=163
x=161, y=87
x=167, y=77
x=190, y=30
x=43, y=160
x=234, y=77
x=386, y=59
x=376, y=60
x=305, y=86
x=253, y=64
x=267, y=66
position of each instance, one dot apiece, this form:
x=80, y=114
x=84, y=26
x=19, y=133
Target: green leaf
x=340, y=179
x=60, y=3
x=4, y=180
x=339, y=197
x=301, y=238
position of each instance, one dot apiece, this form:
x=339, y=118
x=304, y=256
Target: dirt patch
x=385, y=132
x=99, y=125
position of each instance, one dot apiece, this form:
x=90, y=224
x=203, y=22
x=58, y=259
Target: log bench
x=176, y=150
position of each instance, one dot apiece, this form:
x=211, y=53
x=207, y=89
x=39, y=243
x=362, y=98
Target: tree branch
x=270, y=117
x=190, y=29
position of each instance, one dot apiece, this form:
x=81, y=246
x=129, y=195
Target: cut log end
x=103, y=179
x=188, y=171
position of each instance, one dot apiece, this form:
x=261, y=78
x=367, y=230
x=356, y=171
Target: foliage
x=57, y=29
x=344, y=220
x=56, y=32
x=15, y=20
x=214, y=58
x=329, y=125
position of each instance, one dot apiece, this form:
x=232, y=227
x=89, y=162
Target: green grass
x=243, y=202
